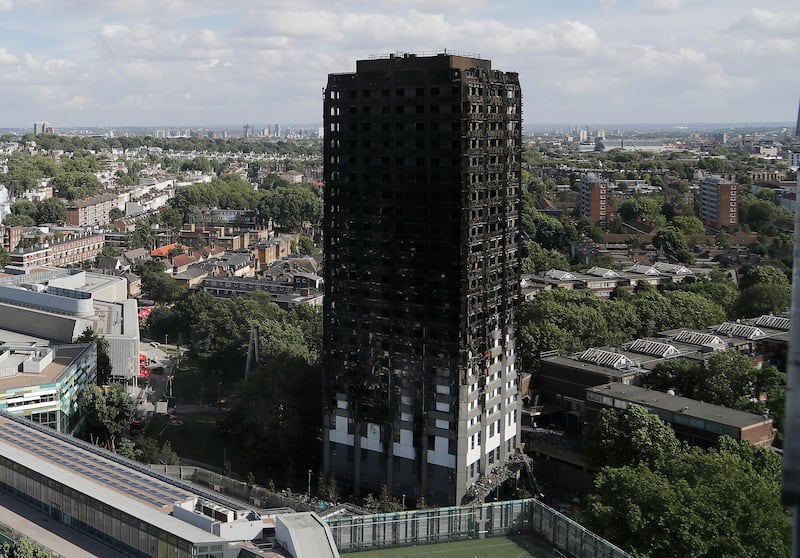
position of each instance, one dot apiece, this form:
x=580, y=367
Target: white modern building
x=59, y=304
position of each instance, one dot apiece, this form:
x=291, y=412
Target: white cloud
x=7, y=57
x=169, y=60
x=569, y=38
x=6, y=5
x=77, y=102
x=661, y=6
x=765, y=47
x=759, y=21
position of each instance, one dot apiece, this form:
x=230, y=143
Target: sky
x=227, y=62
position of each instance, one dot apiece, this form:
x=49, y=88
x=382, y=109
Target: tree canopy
x=24, y=548
x=763, y=290
x=630, y=437
x=104, y=367
x=107, y=411
x=658, y=500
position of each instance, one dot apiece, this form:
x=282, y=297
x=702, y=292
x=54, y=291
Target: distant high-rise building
x=594, y=200
x=719, y=203
x=248, y=130
x=42, y=128
x=422, y=274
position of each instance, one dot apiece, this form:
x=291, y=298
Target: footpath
x=48, y=532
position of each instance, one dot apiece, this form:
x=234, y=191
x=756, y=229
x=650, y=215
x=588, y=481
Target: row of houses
x=71, y=247
x=566, y=382
x=269, y=266
x=603, y=281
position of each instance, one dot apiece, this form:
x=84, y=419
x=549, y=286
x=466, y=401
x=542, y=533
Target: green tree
x=141, y=236
x=24, y=207
x=19, y=221
x=115, y=214
x=763, y=298
x=149, y=450
x=104, y=367
x=721, y=291
x=567, y=320
x=647, y=208
x=673, y=242
x=679, y=374
x=695, y=310
x=689, y=225
x=161, y=286
x=107, y=411
x=723, y=379
x=25, y=548
x=537, y=259
x=291, y=206
x=172, y=217
x=75, y=185
x=721, y=502
x=305, y=245
x=764, y=290
x=51, y=210
x=630, y=437
x=764, y=461
x=201, y=164
x=767, y=274
x=278, y=404
x=644, y=513
x=5, y=258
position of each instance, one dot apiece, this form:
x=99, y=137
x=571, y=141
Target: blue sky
x=196, y=62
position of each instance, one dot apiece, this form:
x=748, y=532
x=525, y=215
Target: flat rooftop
x=660, y=401
x=51, y=373
x=130, y=487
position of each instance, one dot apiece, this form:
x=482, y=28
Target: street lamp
x=309, y=482
x=166, y=338
x=404, y=501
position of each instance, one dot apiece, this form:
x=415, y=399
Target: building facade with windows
x=421, y=274
x=43, y=383
x=594, y=199
x=718, y=203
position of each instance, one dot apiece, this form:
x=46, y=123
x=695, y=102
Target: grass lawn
x=520, y=546
x=196, y=439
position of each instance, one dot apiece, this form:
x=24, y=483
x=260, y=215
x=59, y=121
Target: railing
x=403, y=54
x=353, y=534
x=8, y=532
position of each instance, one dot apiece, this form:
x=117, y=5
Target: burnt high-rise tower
x=422, y=274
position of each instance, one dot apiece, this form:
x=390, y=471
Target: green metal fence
x=357, y=533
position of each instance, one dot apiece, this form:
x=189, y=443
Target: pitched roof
x=184, y=259
x=163, y=252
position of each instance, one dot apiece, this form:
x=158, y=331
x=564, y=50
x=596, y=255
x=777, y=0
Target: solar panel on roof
x=697, y=338
x=605, y=358
x=743, y=331
x=653, y=348
x=774, y=322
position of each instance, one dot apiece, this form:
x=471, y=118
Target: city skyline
x=125, y=63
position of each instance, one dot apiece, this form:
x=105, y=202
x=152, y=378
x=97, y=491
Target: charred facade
x=422, y=274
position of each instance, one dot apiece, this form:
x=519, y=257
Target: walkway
x=46, y=531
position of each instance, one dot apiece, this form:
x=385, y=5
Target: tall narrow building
x=718, y=203
x=422, y=274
